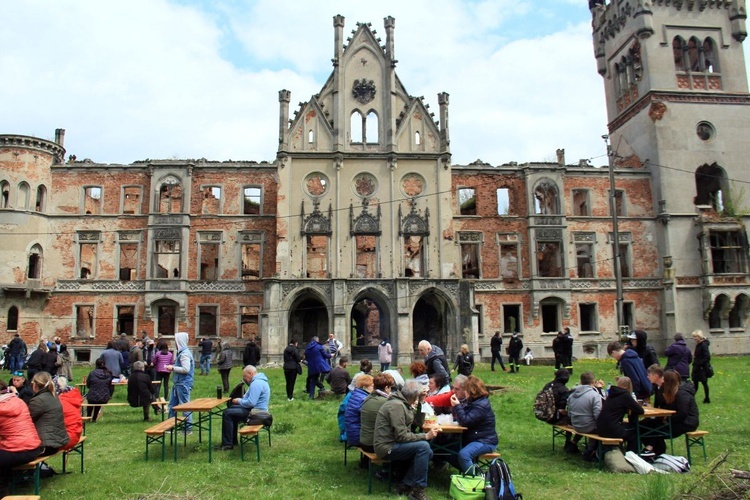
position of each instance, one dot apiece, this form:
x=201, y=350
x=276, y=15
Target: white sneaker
x=290, y=399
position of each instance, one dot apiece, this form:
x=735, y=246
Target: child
x=528, y=356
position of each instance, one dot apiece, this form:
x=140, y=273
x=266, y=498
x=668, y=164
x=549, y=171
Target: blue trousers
x=230, y=420
x=180, y=395
x=470, y=452
x=420, y=453
x=205, y=363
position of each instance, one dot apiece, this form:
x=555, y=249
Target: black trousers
x=291, y=379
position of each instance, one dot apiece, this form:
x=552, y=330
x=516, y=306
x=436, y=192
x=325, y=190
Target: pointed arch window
x=12, y=319
x=371, y=128
x=357, y=127
x=546, y=198
x=170, y=196
x=23, y=196
x=4, y=194
x=710, y=56
x=710, y=185
x=417, y=138
x=41, y=198
x=35, y=263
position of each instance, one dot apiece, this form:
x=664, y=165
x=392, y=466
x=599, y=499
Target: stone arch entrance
x=308, y=317
x=370, y=322
x=434, y=320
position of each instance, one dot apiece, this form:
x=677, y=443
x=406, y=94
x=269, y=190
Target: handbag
x=467, y=486
x=709, y=371
x=299, y=369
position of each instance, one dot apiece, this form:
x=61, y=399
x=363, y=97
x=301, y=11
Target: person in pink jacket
x=163, y=357
x=19, y=441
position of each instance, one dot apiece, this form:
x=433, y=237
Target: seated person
x=679, y=396
x=437, y=385
x=365, y=368
x=19, y=441
x=382, y=385
x=584, y=406
x=472, y=409
x=99, y=383
x=441, y=402
x=419, y=371
x=339, y=378
x=47, y=413
x=251, y=408
x=71, y=400
x=141, y=390
x=21, y=386
x=561, y=392
x=398, y=379
x=352, y=417
x=620, y=401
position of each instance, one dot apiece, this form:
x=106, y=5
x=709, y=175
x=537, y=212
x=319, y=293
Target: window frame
x=593, y=317
x=124, y=195
x=215, y=238
x=261, y=196
x=84, y=190
x=459, y=204
x=474, y=239
x=203, y=188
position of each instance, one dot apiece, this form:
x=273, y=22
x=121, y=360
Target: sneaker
x=572, y=448
x=381, y=475
x=418, y=493
x=403, y=489
x=290, y=399
x=646, y=453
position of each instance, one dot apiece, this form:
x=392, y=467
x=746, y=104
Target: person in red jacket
x=19, y=441
x=71, y=400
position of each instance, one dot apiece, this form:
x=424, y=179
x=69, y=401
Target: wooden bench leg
x=255, y=439
x=690, y=442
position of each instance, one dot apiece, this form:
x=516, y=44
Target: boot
x=418, y=493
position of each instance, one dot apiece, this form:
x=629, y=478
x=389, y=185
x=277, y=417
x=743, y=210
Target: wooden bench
x=693, y=439
x=36, y=464
x=22, y=497
x=373, y=459
x=486, y=459
x=158, y=432
x=561, y=430
x=250, y=433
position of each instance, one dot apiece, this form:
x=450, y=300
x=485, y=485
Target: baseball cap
x=631, y=336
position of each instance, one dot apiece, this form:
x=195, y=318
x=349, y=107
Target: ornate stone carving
x=167, y=219
x=167, y=233
x=470, y=236
x=251, y=237
x=548, y=220
x=212, y=236
x=363, y=90
x=657, y=110
x=89, y=236
x=584, y=237
x=316, y=222
x=216, y=286
x=412, y=185
x=129, y=236
x=365, y=185
x=414, y=224
x=548, y=234
x=365, y=223
x=316, y=184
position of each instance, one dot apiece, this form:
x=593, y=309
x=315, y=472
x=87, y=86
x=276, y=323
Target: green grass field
x=306, y=460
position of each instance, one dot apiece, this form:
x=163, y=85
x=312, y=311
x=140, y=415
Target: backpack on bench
x=545, y=408
x=501, y=482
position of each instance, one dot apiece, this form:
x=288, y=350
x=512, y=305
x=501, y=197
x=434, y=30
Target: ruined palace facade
x=362, y=225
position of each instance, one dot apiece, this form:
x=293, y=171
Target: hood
x=618, y=392
x=101, y=374
x=9, y=409
x=680, y=342
x=707, y=342
x=181, y=339
x=225, y=346
x=630, y=353
x=687, y=387
x=72, y=397
x=580, y=390
x=311, y=346
x=260, y=376
x=641, y=337
x=436, y=351
x=383, y=342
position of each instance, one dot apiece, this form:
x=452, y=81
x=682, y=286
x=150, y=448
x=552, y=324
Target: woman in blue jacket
x=316, y=357
x=472, y=409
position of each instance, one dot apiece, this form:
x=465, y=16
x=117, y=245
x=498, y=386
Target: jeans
x=205, y=363
x=230, y=420
x=180, y=395
x=420, y=453
x=497, y=356
x=470, y=452
x=16, y=362
x=312, y=381
x=384, y=366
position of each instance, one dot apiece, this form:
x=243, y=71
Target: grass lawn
x=306, y=460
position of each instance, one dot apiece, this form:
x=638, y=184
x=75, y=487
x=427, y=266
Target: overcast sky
x=160, y=79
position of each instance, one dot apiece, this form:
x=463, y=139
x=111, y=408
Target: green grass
x=306, y=459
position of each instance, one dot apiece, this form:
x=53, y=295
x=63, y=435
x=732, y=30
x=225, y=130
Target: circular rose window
x=705, y=131
x=412, y=185
x=365, y=185
x=316, y=184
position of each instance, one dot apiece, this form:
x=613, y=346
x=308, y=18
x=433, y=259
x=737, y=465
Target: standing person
x=434, y=359
x=136, y=352
x=20, y=442
x=206, y=347
x=464, y=361
x=145, y=338
x=496, y=347
x=141, y=390
x=679, y=357
x=163, y=357
x=252, y=407
x=123, y=345
x=393, y=439
x=334, y=348
x=37, y=360
x=17, y=353
x=528, y=356
x=557, y=348
x=317, y=358
x=632, y=367
x=567, y=350
x=292, y=367
x=113, y=359
x=385, y=354
x=638, y=341
x=50, y=361
x=620, y=402
x=47, y=414
x=64, y=363
x=184, y=371
x=149, y=350
x=224, y=363
x=251, y=356
x=701, y=363
x=99, y=385
x=514, y=353
x=584, y=406
x=471, y=409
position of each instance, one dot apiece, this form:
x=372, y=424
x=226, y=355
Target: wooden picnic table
x=449, y=445
x=662, y=417
x=206, y=409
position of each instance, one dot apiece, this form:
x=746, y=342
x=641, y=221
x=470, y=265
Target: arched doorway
x=308, y=317
x=433, y=320
x=370, y=323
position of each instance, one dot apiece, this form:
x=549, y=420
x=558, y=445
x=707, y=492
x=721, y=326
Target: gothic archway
x=434, y=320
x=308, y=317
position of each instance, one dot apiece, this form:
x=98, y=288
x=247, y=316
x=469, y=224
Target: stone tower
x=677, y=104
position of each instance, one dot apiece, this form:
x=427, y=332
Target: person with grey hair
x=251, y=408
x=393, y=439
x=141, y=390
x=435, y=359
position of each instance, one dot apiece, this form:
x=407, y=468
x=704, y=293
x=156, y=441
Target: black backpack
x=545, y=408
x=501, y=482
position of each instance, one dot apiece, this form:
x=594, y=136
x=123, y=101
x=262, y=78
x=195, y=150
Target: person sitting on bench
x=99, y=383
x=584, y=406
x=251, y=408
x=20, y=442
x=47, y=414
x=619, y=402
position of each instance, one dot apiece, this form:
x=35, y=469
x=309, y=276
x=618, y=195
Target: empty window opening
x=470, y=268
x=367, y=256
x=23, y=196
x=628, y=315
x=678, y=52
x=166, y=323
x=480, y=319
x=417, y=138
x=12, y=323
x=82, y=355
x=170, y=196
x=209, y=265
x=728, y=252
x=4, y=194
x=92, y=200
x=584, y=256
x=310, y=136
x=251, y=261
x=467, y=201
x=549, y=259
x=167, y=262
x=249, y=323
x=357, y=126
x=126, y=320
x=251, y=200
x=131, y=200
x=128, y=261
x=317, y=256
x=368, y=324
x=512, y=318
x=588, y=317
x=545, y=198
x=207, y=321
x=626, y=270
x=85, y=321
x=693, y=47
x=710, y=61
x=550, y=317
x=88, y=260
x=503, y=201
x=739, y=312
x=509, y=262
x=41, y=199
x=619, y=203
x=35, y=263
x=211, y=202
x=709, y=183
x=581, y=202
x=371, y=128
x=414, y=263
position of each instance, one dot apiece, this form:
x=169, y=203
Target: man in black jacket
x=496, y=346
x=251, y=356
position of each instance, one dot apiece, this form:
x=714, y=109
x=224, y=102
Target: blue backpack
x=501, y=481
